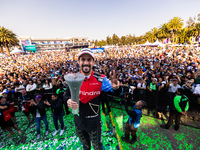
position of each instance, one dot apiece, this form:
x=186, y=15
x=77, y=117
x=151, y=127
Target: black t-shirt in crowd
x=57, y=106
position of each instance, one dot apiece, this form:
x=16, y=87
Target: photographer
x=134, y=120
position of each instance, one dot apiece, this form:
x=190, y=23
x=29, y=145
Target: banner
x=24, y=42
x=31, y=48
x=28, y=43
x=167, y=40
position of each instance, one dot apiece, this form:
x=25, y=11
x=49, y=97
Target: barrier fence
x=157, y=101
x=160, y=102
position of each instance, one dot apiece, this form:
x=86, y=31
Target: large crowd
x=32, y=76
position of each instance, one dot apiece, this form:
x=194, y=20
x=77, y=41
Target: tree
x=140, y=40
x=8, y=39
x=191, y=21
x=197, y=29
x=129, y=39
x=96, y=43
x=184, y=35
x=109, y=40
x=123, y=40
x=102, y=43
x=163, y=32
x=175, y=25
x=134, y=39
x=198, y=17
x=149, y=36
x=115, y=39
x=1, y=47
x=154, y=34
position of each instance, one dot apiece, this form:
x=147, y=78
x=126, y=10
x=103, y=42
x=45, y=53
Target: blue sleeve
x=138, y=112
x=106, y=85
x=8, y=92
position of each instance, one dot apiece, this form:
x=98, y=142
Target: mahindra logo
x=90, y=93
x=94, y=83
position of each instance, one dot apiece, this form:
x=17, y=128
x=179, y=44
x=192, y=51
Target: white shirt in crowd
x=173, y=88
x=3, y=91
x=143, y=85
x=18, y=89
x=47, y=87
x=31, y=87
x=197, y=90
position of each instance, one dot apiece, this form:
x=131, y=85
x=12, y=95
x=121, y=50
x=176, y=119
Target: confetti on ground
x=149, y=135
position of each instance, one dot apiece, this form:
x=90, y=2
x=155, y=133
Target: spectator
x=11, y=103
x=31, y=86
x=18, y=87
x=57, y=106
x=5, y=117
x=141, y=84
x=25, y=99
x=173, y=85
x=47, y=86
x=40, y=114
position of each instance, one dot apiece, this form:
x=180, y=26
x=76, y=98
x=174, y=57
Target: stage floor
x=149, y=135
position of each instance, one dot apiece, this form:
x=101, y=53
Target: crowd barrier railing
x=159, y=101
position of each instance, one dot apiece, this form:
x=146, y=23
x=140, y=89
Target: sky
x=95, y=19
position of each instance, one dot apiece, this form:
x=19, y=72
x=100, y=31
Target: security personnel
x=153, y=85
x=180, y=106
x=60, y=91
x=151, y=94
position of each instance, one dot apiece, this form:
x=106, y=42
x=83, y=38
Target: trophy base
x=75, y=111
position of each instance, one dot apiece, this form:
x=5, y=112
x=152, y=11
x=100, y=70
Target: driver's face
x=86, y=63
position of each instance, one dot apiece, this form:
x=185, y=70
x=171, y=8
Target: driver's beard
x=86, y=71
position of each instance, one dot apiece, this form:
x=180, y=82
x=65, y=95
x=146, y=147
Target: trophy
x=74, y=82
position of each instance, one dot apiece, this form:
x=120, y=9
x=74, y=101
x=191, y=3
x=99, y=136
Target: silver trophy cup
x=74, y=82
